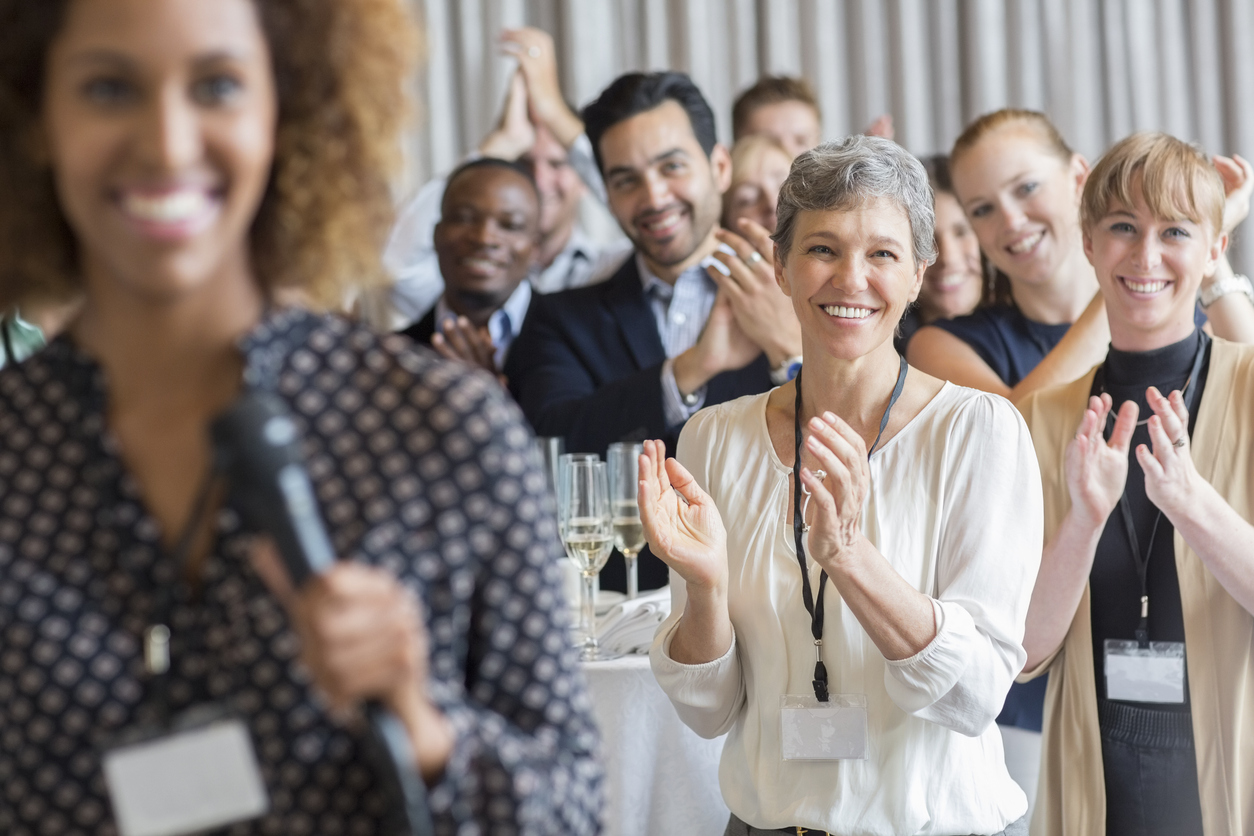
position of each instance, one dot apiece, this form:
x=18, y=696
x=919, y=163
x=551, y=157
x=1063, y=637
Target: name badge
x=1150, y=674
x=192, y=780
x=822, y=731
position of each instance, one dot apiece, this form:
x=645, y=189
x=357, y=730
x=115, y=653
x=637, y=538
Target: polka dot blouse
x=419, y=466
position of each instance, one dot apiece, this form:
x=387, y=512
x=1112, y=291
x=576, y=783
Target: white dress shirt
x=680, y=311
x=410, y=252
x=955, y=506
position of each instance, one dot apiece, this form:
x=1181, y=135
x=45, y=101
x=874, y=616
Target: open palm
x=1096, y=469
x=687, y=534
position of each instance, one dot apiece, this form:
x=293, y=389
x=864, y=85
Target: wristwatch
x=786, y=370
x=1233, y=284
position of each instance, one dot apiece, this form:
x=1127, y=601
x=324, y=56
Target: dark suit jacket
x=423, y=330
x=587, y=366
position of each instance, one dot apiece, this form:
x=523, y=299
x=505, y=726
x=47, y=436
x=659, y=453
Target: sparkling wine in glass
x=586, y=533
x=628, y=530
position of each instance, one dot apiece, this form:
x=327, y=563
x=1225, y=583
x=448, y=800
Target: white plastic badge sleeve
x=811, y=730
x=1151, y=674
x=185, y=782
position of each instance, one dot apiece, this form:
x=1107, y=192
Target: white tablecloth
x=661, y=778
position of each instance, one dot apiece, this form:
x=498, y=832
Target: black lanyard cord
x=815, y=606
x=157, y=635
x=1139, y=558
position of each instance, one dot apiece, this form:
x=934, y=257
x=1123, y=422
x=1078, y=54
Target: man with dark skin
x=486, y=242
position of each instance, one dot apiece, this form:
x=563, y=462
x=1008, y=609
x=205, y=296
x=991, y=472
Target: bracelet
x=786, y=370
x=1233, y=284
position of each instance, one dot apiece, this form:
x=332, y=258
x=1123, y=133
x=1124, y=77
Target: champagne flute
x=623, y=460
x=551, y=449
x=564, y=461
x=585, y=512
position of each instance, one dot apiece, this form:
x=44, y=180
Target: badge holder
x=810, y=730
x=197, y=774
x=1154, y=673
x=192, y=772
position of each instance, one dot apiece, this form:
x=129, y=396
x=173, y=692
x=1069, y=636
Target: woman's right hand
x=1097, y=469
x=1238, y=177
x=688, y=536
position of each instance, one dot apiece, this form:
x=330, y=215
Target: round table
x=660, y=776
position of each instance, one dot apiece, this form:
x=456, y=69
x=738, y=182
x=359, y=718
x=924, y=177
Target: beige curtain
x=1100, y=68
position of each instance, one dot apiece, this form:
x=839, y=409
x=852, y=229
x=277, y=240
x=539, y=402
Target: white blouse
x=955, y=506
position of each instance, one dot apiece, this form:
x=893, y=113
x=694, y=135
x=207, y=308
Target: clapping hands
x=1238, y=177
x=1097, y=469
x=1170, y=478
x=838, y=487
x=687, y=534
x=765, y=315
x=460, y=339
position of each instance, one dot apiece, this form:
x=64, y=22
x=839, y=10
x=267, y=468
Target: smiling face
x=485, y=240
x=754, y=191
x=953, y=283
x=557, y=181
x=1150, y=269
x=1023, y=202
x=158, y=122
x=793, y=124
x=663, y=190
x=850, y=274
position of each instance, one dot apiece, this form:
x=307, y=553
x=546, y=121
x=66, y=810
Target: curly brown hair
x=341, y=70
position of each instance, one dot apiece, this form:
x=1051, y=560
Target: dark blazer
x=423, y=330
x=587, y=366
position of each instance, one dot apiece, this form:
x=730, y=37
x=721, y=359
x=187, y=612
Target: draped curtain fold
x=1099, y=68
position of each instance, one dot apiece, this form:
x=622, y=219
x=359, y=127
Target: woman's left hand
x=1171, y=480
x=837, y=499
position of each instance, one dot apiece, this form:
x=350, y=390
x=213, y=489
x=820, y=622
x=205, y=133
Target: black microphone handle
x=256, y=444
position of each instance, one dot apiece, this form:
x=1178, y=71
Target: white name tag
x=821, y=731
x=1151, y=674
x=185, y=782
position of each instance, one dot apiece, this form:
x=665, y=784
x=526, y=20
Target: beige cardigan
x=1219, y=633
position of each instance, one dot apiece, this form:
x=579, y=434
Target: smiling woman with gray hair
x=855, y=626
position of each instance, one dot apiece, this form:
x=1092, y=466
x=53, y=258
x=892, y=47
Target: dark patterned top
x=419, y=466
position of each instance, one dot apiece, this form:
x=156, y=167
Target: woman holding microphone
x=1142, y=611
x=180, y=166
x=853, y=557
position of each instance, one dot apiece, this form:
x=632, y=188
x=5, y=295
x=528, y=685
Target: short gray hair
x=847, y=174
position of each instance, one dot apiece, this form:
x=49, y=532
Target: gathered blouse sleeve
x=989, y=551
x=707, y=697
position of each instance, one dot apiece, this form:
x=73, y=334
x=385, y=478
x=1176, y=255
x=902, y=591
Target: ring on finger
x=820, y=474
x=754, y=257
x=1180, y=442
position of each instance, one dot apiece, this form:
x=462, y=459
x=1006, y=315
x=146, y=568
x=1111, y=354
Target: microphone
x=257, y=445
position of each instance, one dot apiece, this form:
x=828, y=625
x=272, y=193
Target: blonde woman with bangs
x=1142, y=608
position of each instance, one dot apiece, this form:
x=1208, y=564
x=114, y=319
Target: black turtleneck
x=1115, y=586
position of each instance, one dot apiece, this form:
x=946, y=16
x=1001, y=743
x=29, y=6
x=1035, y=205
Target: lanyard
x=815, y=607
x=157, y=634
x=1139, y=558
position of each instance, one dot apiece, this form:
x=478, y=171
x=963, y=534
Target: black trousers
x=1151, y=771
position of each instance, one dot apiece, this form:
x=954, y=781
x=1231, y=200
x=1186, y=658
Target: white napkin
x=629, y=627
